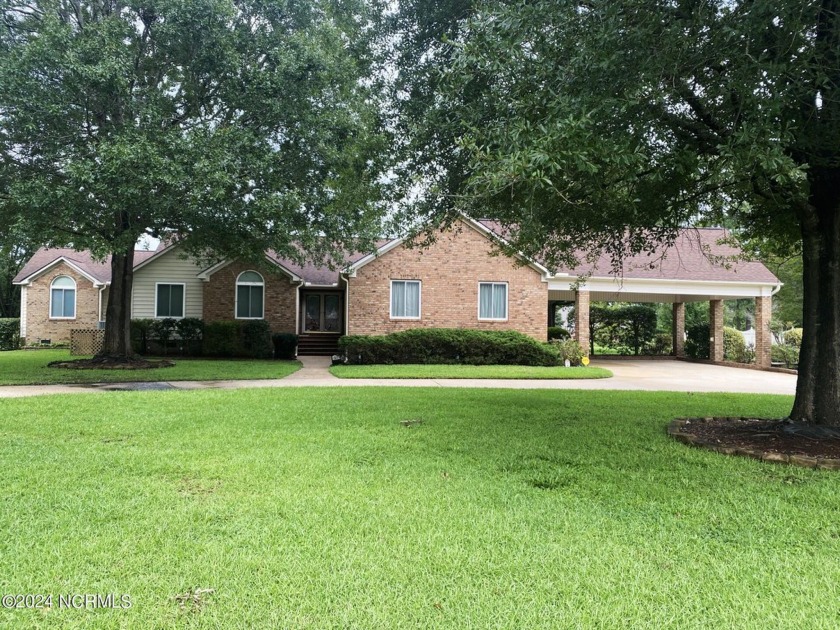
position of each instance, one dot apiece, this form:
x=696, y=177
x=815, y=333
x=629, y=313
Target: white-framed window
x=405, y=299
x=250, y=295
x=493, y=300
x=170, y=299
x=63, y=298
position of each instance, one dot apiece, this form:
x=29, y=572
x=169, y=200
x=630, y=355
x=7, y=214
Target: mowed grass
x=421, y=508
x=30, y=367
x=468, y=371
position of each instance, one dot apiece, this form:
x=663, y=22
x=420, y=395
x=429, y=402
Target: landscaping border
x=675, y=430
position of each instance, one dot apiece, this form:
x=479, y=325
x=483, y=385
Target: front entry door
x=322, y=312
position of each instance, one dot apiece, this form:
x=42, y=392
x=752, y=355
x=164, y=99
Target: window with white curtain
x=492, y=300
x=405, y=299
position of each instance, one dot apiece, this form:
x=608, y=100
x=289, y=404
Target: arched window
x=63, y=298
x=250, y=290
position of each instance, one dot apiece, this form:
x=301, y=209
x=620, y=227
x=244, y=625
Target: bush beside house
x=9, y=333
x=192, y=336
x=448, y=346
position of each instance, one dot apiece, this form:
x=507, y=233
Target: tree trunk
x=117, y=343
x=818, y=386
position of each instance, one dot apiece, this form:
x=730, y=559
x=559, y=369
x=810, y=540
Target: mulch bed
x=769, y=440
x=111, y=363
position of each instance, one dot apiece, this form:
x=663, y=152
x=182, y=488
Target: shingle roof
x=98, y=269
x=697, y=255
x=320, y=274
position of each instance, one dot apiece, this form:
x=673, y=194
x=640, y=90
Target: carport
x=699, y=267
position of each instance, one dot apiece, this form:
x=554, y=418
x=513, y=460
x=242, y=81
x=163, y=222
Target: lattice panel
x=86, y=341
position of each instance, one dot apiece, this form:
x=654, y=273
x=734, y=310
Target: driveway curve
x=643, y=375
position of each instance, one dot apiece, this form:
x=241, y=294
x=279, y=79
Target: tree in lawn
x=236, y=126
x=608, y=124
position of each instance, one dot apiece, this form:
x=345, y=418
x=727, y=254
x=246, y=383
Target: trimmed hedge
x=222, y=339
x=256, y=339
x=284, y=345
x=448, y=346
x=250, y=339
x=9, y=333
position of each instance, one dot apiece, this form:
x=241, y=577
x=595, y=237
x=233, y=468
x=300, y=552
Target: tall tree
x=14, y=252
x=234, y=125
x=608, y=124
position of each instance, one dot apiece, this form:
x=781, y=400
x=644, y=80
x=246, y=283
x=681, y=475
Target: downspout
x=99, y=315
x=346, y=279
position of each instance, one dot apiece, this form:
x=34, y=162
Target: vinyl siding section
x=170, y=267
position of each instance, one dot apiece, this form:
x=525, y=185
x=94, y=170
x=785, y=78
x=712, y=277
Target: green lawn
x=29, y=367
x=467, y=371
x=421, y=508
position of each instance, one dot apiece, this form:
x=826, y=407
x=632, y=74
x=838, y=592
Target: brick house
x=460, y=281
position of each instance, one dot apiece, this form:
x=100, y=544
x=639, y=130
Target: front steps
x=317, y=344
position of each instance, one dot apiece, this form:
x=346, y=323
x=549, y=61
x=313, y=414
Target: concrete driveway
x=647, y=375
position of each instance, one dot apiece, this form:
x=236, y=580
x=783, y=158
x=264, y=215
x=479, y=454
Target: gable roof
x=698, y=254
x=98, y=271
x=478, y=226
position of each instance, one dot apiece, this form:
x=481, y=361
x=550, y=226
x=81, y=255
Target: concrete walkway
x=660, y=375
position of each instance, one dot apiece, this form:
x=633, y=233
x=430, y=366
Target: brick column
x=678, y=329
x=716, y=330
x=763, y=337
x=582, y=319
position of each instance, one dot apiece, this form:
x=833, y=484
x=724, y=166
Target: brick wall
x=450, y=271
x=582, y=305
x=763, y=336
x=38, y=323
x=219, y=299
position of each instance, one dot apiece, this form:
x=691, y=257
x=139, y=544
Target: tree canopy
x=607, y=125
x=237, y=126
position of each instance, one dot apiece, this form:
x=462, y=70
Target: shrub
x=663, y=344
x=697, y=340
x=284, y=345
x=569, y=349
x=734, y=346
x=634, y=326
x=782, y=353
x=793, y=337
x=222, y=339
x=162, y=330
x=9, y=333
x=256, y=339
x=190, y=330
x=557, y=332
x=448, y=345
x=140, y=335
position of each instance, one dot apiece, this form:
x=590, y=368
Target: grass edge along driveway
x=408, y=371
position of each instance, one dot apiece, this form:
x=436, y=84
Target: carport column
x=763, y=338
x=678, y=341
x=716, y=330
x=582, y=319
